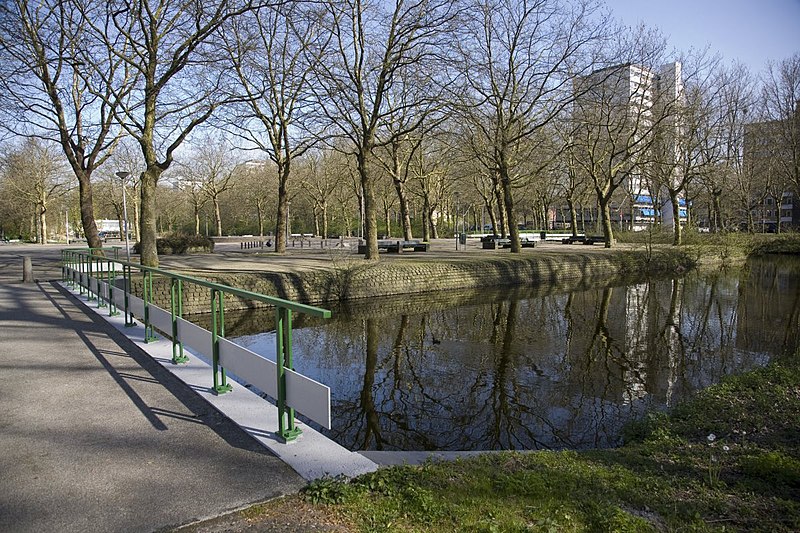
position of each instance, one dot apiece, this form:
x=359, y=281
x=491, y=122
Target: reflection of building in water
x=635, y=340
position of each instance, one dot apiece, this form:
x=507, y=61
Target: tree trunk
x=405, y=216
x=43, y=222
x=217, y=217
x=501, y=213
x=605, y=215
x=434, y=228
x=426, y=226
x=370, y=206
x=716, y=205
x=677, y=235
x=573, y=217
x=86, y=204
x=508, y=202
x=147, y=216
x=283, y=207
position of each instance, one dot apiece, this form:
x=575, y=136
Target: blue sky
x=752, y=31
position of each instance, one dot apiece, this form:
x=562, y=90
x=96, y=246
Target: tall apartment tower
x=626, y=95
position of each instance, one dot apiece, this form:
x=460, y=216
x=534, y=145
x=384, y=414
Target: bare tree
x=685, y=135
x=36, y=176
x=274, y=53
x=615, y=121
x=781, y=98
x=374, y=48
x=191, y=184
x=209, y=174
x=320, y=183
x=175, y=57
x=52, y=87
x=518, y=62
x=721, y=149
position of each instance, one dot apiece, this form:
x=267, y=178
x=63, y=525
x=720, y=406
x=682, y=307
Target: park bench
x=584, y=239
x=493, y=242
x=391, y=246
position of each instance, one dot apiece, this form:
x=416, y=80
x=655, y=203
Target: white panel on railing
x=119, y=298
x=93, y=285
x=136, y=306
x=309, y=397
x=161, y=319
x=103, y=287
x=249, y=366
x=195, y=337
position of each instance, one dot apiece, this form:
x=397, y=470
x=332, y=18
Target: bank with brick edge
x=362, y=279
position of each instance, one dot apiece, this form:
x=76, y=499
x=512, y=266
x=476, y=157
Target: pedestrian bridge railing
x=107, y=279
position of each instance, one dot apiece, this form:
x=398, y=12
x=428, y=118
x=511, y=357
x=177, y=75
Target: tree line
x=372, y=117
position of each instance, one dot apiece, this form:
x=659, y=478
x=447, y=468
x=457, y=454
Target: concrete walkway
x=96, y=436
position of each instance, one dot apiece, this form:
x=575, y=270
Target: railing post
x=100, y=275
x=89, y=277
x=147, y=293
x=110, y=280
x=221, y=386
x=176, y=308
x=99, y=267
x=82, y=266
x=126, y=280
x=76, y=272
x=287, y=430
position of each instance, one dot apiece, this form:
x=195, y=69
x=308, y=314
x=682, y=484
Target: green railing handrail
x=271, y=300
x=90, y=264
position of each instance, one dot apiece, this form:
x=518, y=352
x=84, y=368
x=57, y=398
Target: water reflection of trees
x=554, y=370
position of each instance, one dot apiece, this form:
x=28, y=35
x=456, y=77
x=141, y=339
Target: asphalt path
x=95, y=435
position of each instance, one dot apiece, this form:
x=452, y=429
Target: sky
x=752, y=31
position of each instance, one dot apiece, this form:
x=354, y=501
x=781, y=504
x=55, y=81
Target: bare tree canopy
x=174, y=80
x=376, y=46
x=519, y=60
x=53, y=86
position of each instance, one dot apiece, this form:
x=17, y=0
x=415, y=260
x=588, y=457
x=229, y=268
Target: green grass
x=668, y=477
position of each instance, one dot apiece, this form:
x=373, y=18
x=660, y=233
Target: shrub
x=180, y=243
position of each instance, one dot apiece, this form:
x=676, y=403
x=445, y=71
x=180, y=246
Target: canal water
x=528, y=369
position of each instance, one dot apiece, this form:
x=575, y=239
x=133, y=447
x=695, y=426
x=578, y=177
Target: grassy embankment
x=729, y=459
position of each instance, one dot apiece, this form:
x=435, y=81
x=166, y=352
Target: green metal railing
x=81, y=266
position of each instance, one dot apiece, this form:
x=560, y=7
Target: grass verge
x=729, y=459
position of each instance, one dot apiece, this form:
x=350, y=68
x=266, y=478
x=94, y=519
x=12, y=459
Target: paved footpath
x=96, y=436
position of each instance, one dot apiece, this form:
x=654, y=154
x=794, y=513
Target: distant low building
x=772, y=158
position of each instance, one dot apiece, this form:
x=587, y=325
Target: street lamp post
x=455, y=219
x=124, y=176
